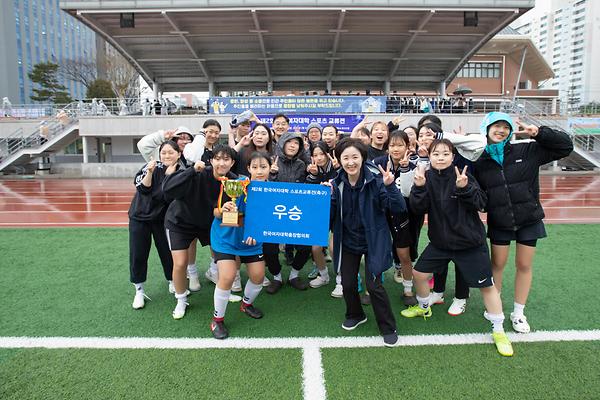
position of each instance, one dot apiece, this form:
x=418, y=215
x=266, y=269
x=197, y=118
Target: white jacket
x=149, y=145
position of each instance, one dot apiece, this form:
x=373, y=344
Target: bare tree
x=82, y=71
x=122, y=76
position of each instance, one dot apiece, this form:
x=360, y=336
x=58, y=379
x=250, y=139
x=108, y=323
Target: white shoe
x=457, y=307
x=398, y=274
x=338, y=291
x=436, y=298
x=213, y=277
x=194, y=282
x=171, y=287
x=234, y=298
x=237, y=283
x=138, y=300
x=266, y=282
x=179, y=310
x=520, y=324
x=319, y=281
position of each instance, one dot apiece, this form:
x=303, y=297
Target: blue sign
x=290, y=213
x=299, y=122
x=297, y=104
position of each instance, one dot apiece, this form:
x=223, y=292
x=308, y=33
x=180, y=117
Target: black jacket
x=149, y=203
x=323, y=175
x=452, y=213
x=513, y=189
x=195, y=196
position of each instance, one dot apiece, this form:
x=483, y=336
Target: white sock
x=293, y=274
x=251, y=291
x=518, y=310
x=278, y=277
x=408, y=285
x=213, y=266
x=192, y=269
x=497, y=321
x=182, y=296
x=423, y=302
x=220, y=298
x=139, y=287
x=338, y=279
x=324, y=273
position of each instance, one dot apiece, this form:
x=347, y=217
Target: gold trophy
x=234, y=189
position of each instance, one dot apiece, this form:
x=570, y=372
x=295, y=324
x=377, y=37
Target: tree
x=122, y=76
x=81, y=71
x=45, y=75
x=101, y=89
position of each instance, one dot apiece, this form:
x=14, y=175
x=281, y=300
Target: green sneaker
x=502, y=344
x=416, y=311
x=314, y=273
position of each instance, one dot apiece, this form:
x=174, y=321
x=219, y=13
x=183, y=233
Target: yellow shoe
x=416, y=311
x=502, y=343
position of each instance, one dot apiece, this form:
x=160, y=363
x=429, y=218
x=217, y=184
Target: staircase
x=22, y=148
x=585, y=155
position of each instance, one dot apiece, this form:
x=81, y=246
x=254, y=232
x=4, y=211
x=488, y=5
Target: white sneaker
x=234, y=298
x=520, y=323
x=436, y=298
x=398, y=274
x=237, y=283
x=338, y=291
x=319, y=281
x=457, y=307
x=171, y=287
x=266, y=282
x=179, y=310
x=138, y=300
x=213, y=277
x=194, y=282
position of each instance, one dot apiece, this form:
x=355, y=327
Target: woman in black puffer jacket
x=509, y=174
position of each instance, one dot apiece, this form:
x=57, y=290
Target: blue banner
x=299, y=122
x=290, y=213
x=297, y=104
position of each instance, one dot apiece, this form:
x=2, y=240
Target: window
x=75, y=148
x=480, y=70
x=135, y=148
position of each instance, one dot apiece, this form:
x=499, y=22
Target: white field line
x=313, y=379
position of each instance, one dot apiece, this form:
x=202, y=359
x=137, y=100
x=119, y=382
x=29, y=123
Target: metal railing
x=100, y=107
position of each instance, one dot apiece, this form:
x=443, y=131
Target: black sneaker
x=251, y=311
x=219, y=330
x=350, y=324
x=298, y=283
x=391, y=339
x=274, y=286
x=409, y=300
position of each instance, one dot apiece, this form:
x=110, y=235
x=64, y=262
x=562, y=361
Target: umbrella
x=463, y=90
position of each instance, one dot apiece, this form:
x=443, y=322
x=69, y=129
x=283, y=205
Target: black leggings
x=271, y=252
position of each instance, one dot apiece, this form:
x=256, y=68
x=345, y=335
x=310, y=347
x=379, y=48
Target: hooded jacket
x=513, y=188
x=375, y=199
x=290, y=169
x=149, y=203
x=452, y=213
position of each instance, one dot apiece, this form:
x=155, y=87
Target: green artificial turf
x=75, y=282
x=150, y=374
x=537, y=371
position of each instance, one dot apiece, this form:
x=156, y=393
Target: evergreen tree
x=100, y=89
x=45, y=75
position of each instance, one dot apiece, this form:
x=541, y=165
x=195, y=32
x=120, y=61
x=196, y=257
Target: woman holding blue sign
x=361, y=196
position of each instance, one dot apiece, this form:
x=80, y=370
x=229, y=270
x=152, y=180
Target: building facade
x=567, y=34
x=34, y=31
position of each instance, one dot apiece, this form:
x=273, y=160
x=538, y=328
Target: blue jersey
x=230, y=240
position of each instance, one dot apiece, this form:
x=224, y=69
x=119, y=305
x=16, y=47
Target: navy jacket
x=375, y=199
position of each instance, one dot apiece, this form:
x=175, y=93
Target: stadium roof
x=244, y=44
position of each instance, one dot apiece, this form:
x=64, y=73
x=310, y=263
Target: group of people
x=424, y=105
x=384, y=179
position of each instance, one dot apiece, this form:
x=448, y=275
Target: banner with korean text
x=290, y=213
x=297, y=104
x=299, y=122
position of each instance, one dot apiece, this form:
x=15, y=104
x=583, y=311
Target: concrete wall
x=9, y=126
x=97, y=170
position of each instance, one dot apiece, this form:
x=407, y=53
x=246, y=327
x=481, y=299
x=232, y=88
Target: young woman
x=314, y=132
x=260, y=139
x=361, y=196
x=147, y=218
x=509, y=174
x=320, y=170
x=212, y=131
x=229, y=243
x=452, y=199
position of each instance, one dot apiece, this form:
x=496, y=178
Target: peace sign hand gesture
x=274, y=166
x=420, y=175
x=404, y=160
x=312, y=167
x=388, y=176
x=526, y=130
x=334, y=161
x=461, y=177
x=245, y=140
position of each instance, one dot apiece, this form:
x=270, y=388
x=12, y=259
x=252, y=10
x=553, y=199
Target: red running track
x=104, y=202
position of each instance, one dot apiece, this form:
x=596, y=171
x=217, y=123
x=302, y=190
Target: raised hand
x=151, y=165
x=404, y=160
x=422, y=150
x=171, y=168
x=199, y=166
x=526, y=130
x=460, y=131
x=245, y=140
x=334, y=161
x=169, y=134
x=388, y=176
x=420, y=175
x=274, y=166
x=312, y=167
x=461, y=177
x=396, y=120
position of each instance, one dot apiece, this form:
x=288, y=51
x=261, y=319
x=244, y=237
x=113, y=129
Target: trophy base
x=232, y=219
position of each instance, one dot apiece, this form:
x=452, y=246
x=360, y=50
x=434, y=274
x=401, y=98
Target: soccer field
x=68, y=331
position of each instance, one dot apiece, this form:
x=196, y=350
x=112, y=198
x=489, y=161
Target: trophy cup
x=234, y=189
